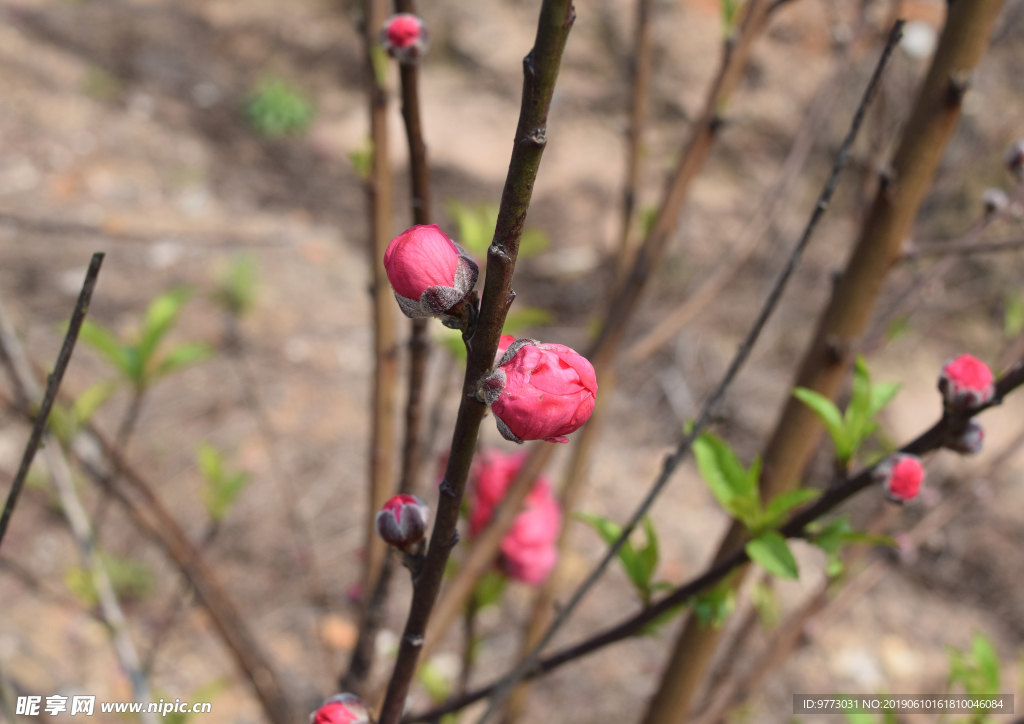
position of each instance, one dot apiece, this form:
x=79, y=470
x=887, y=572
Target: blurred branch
x=962, y=248
x=826, y=361
x=947, y=427
x=540, y=71
x=673, y=461
x=24, y=382
x=21, y=374
x=361, y=661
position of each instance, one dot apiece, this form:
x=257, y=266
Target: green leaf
x=475, y=224
x=881, y=395
x=721, y=469
x=653, y=628
x=129, y=579
x=766, y=603
x=103, y=341
x=490, y=589
x=857, y=415
x=161, y=315
x=434, y=682
x=713, y=607
x=362, y=159
x=1013, y=315
x=222, y=487
x=988, y=662
x=532, y=243
x=730, y=9
x=92, y=399
x=777, y=509
x=829, y=414
x=182, y=355
x=647, y=558
x=522, y=318
x=648, y=218
x=275, y=109
x=236, y=291
x=636, y=569
x=771, y=551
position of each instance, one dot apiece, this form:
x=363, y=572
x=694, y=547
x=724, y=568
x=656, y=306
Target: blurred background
x=218, y=146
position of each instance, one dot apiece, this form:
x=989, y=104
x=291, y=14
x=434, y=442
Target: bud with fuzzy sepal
x=966, y=382
x=402, y=522
x=404, y=37
x=540, y=391
x=341, y=709
x=901, y=475
x=431, y=274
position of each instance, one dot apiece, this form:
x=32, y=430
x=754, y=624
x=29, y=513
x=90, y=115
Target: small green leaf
x=721, y=469
x=713, y=607
x=881, y=395
x=92, y=399
x=653, y=628
x=129, y=579
x=1013, y=315
x=434, y=682
x=490, y=589
x=766, y=603
x=829, y=414
x=236, y=290
x=275, y=109
x=222, y=487
x=988, y=662
x=362, y=159
x=188, y=353
x=771, y=551
x=647, y=557
x=648, y=218
x=161, y=315
x=636, y=568
x=777, y=509
x=475, y=224
x=106, y=343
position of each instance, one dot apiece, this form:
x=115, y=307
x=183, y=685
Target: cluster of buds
x=528, y=550
x=1015, y=159
x=402, y=523
x=539, y=391
x=965, y=383
x=404, y=37
x=901, y=475
x=341, y=709
x=430, y=274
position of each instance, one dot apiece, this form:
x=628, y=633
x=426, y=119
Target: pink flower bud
x=428, y=271
x=966, y=382
x=970, y=441
x=404, y=37
x=402, y=522
x=1015, y=159
x=540, y=391
x=529, y=548
x=341, y=709
x=901, y=475
x=995, y=201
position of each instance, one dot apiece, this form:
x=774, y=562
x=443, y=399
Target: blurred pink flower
x=901, y=475
x=404, y=37
x=341, y=709
x=540, y=391
x=966, y=381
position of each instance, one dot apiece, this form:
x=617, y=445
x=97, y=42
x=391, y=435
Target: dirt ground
x=121, y=130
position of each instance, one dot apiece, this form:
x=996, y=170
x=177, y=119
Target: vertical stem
x=901, y=191
x=640, y=101
x=540, y=71
x=378, y=192
x=361, y=662
x=468, y=644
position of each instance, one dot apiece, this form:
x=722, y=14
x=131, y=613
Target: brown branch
x=640, y=102
x=361, y=661
x=949, y=426
x=740, y=358
x=601, y=355
x=826, y=361
x=540, y=71
x=385, y=375
x=53, y=385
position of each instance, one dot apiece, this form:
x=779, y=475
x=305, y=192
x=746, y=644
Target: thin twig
x=540, y=71
x=673, y=461
x=962, y=248
x=946, y=428
x=39, y=427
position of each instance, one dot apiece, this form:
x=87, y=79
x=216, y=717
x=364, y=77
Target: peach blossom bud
x=970, y=441
x=901, y=475
x=966, y=382
x=428, y=271
x=341, y=709
x=540, y=391
x=404, y=37
x=402, y=522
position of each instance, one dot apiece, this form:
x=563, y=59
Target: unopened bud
x=970, y=441
x=404, y=37
x=901, y=475
x=966, y=382
x=341, y=709
x=995, y=201
x=428, y=271
x=402, y=522
x=1014, y=159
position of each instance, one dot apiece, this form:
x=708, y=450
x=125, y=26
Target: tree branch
x=540, y=70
